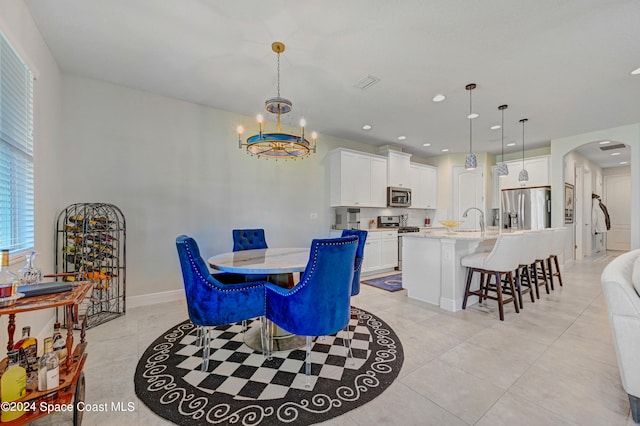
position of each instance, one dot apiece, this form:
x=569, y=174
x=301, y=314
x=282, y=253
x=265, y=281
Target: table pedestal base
x=282, y=340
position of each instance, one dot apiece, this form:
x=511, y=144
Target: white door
x=468, y=191
x=586, y=213
x=578, y=211
x=617, y=199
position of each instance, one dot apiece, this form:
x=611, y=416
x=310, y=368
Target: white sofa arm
x=623, y=304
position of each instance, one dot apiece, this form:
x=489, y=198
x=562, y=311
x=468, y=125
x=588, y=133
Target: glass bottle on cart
x=48, y=370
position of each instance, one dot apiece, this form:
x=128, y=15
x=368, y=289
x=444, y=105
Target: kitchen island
x=432, y=271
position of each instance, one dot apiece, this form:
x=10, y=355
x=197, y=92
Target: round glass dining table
x=277, y=263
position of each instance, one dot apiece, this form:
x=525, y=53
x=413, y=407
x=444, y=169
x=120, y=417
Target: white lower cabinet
x=380, y=251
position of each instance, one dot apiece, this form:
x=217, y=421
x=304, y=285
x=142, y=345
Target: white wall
x=629, y=135
x=174, y=167
x=18, y=26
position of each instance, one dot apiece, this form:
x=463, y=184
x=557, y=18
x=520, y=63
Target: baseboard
x=154, y=298
x=450, y=305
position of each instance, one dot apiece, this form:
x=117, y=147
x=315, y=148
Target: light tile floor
x=552, y=364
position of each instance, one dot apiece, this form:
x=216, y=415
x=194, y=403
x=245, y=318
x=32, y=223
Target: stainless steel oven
x=398, y=197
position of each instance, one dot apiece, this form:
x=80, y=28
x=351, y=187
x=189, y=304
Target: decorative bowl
x=451, y=225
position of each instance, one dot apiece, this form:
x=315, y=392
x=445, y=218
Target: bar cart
x=72, y=382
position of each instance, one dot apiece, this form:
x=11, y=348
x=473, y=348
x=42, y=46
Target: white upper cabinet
x=378, y=182
x=398, y=169
x=423, y=184
x=538, y=168
x=357, y=179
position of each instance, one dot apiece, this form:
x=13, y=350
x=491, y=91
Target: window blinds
x=16, y=151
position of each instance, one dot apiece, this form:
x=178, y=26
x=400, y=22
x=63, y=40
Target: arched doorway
x=560, y=148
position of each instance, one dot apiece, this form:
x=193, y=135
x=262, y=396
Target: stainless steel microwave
x=398, y=197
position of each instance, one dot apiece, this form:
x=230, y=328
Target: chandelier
x=278, y=144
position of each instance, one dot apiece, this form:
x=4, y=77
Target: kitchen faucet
x=464, y=215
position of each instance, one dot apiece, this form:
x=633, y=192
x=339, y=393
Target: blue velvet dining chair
x=320, y=303
x=362, y=239
x=250, y=239
x=212, y=303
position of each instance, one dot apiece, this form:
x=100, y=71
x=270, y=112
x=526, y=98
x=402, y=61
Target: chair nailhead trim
x=194, y=266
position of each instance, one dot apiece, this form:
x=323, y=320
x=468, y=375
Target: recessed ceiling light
x=615, y=153
x=439, y=98
x=445, y=149
x=472, y=116
x=426, y=144
x=496, y=127
x=401, y=138
x=366, y=127
x=604, y=142
x=624, y=162
x=636, y=71
x=511, y=144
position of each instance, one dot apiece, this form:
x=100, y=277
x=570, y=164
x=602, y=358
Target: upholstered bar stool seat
x=527, y=256
x=499, y=263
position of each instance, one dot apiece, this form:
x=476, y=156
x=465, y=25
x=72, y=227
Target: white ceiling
x=564, y=65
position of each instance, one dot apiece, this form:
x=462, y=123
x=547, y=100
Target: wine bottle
x=8, y=280
x=27, y=348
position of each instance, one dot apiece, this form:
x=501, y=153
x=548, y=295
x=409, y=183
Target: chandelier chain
x=278, y=87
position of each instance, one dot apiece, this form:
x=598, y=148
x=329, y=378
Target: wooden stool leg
x=499, y=295
x=555, y=260
x=533, y=276
x=519, y=287
x=550, y=272
x=513, y=292
x=468, y=287
x=544, y=276
x=525, y=272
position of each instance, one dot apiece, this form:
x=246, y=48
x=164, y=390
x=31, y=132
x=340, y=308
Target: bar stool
x=501, y=261
x=527, y=255
x=556, y=249
x=542, y=249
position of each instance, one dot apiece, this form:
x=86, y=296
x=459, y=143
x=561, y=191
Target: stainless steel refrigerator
x=527, y=208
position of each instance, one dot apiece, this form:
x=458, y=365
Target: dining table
x=280, y=266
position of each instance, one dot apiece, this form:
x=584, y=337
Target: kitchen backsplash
x=416, y=217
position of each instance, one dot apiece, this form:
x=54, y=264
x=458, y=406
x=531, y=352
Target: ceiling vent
x=366, y=82
x=610, y=147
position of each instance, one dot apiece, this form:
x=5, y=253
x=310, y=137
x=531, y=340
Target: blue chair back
x=248, y=239
x=362, y=239
x=210, y=302
x=320, y=303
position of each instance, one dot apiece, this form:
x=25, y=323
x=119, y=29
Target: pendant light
x=503, y=169
x=524, y=174
x=471, y=162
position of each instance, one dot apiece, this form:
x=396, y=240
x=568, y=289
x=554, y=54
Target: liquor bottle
x=13, y=386
x=59, y=344
x=48, y=370
x=27, y=348
x=8, y=280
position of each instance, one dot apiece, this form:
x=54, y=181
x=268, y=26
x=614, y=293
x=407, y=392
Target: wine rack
x=91, y=245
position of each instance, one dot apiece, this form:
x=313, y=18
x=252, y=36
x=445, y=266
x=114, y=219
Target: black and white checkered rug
x=241, y=387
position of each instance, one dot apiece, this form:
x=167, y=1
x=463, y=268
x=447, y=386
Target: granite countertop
x=459, y=235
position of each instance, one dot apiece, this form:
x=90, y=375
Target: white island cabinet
x=431, y=269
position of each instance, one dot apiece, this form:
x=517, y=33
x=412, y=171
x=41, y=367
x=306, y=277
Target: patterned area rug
x=241, y=387
x=389, y=283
